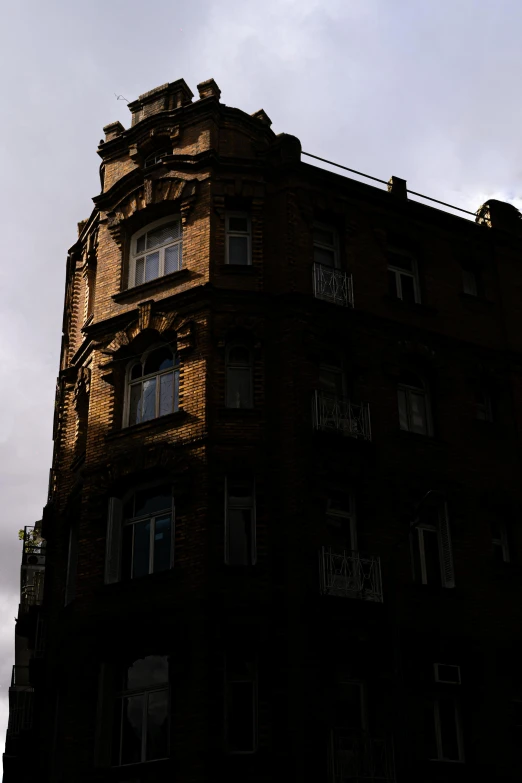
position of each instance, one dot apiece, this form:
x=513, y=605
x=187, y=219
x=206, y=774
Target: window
x=432, y=549
x=499, y=540
x=155, y=251
x=239, y=377
x=141, y=715
x=156, y=157
x=152, y=386
x=350, y=712
x=447, y=673
x=240, y=703
x=470, y=282
x=240, y=522
x=238, y=241
x=341, y=521
x=140, y=534
x=403, y=277
x=444, y=732
x=414, y=405
x=331, y=377
x=326, y=246
x=483, y=406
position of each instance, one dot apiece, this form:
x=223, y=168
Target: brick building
x=282, y=537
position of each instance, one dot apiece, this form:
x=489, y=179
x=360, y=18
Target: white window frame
x=414, y=274
x=443, y=533
x=152, y=518
x=436, y=673
x=324, y=246
x=252, y=508
x=231, y=366
x=130, y=383
x=336, y=514
x=409, y=391
x=253, y=679
x=247, y=234
x=502, y=542
x=134, y=255
x=122, y=694
x=438, y=730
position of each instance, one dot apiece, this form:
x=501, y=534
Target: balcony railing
x=337, y=414
x=31, y=593
x=333, y=285
x=348, y=574
x=354, y=758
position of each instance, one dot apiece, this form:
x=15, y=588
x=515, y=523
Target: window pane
x=166, y=394
x=147, y=672
x=418, y=419
x=140, y=564
x=324, y=256
x=172, y=259
x=162, y=534
x=135, y=404
x=136, y=371
x=126, y=556
x=392, y=283
x=239, y=388
x=152, y=267
x=140, y=271
x=238, y=250
x=469, y=282
x=432, y=557
x=240, y=493
x=407, y=288
x=160, y=359
x=324, y=236
x=448, y=729
x=331, y=381
x=163, y=235
x=132, y=728
x=239, y=537
x=157, y=725
x=238, y=224
x=147, y=501
x=400, y=261
x=240, y=716
x=140, y=244
x=403, y=409
x=149, y=400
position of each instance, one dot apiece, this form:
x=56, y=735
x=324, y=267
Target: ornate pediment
x=153, y=191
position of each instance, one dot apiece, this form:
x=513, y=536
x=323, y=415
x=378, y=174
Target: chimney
x=112, y=130
x=209, y=89
x=262, y=116
x=164, y=98
x=397, y=186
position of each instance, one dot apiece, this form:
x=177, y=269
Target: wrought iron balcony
x=348, y=574
x=31, y=593
x=338, y=414
x=357, y=757
x=333, y=285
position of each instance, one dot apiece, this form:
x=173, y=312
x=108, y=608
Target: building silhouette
x=282, y=539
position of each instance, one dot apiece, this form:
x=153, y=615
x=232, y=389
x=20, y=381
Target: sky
x=426, y=91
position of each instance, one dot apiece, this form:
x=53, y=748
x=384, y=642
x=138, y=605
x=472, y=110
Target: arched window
x=140, y=534
x=239, y=377
x=156, y=251
x=141, y=714
x=156, y=157
x=152, y=386
x=414, y=404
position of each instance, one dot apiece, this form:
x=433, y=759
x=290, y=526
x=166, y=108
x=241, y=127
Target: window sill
x=236, y=412
x=412, y=307
x=152, y=285
x=430, y=440
x=238, y=269
x=162, y=422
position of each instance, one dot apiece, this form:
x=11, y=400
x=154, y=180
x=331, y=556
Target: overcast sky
x=426, y=90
